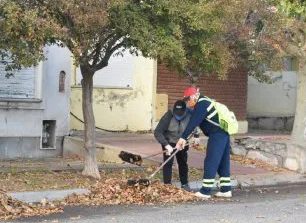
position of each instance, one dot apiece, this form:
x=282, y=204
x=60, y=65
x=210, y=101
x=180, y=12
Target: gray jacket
x=169, y=130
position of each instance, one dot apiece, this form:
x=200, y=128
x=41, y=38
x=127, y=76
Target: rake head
x=143, y=182
x=130, y=158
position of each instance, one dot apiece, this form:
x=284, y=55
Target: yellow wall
x=125, y=108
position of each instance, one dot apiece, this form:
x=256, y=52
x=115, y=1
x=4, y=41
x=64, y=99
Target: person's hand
x=180, y=144
x=195, y=142
x=169, y=150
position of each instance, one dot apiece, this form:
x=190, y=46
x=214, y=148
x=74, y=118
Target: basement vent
x=48, y=139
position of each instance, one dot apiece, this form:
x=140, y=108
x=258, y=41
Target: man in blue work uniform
x=217, y=158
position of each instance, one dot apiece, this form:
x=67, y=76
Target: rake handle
x=164, y=163
x=152, y=155
x=163, y=151
x=167, y=160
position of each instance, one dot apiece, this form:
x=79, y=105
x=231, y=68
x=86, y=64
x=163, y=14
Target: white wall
x=55, y=103
x=272, y=100
x=118, y=73
x=23, y=117
x=116, y=105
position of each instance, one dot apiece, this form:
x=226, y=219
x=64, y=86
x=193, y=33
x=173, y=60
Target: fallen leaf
x=75, y=218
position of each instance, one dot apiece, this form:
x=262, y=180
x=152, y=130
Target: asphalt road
x=279, y=204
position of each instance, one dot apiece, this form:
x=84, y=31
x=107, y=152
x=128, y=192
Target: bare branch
x=107, y=55
x=97, y=53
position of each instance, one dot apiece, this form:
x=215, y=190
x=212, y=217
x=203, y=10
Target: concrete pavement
x=145, y=145
x=266, y=205
x=46, y=195
x=243, y=175
x=238, y=182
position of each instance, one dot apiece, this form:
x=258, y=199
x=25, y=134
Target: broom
x=134, y=158
x=146, y=181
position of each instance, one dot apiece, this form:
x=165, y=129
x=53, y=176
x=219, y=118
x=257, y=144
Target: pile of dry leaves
x=110, y=191
x=257, y=163
x=116, y=191
x=10, y=208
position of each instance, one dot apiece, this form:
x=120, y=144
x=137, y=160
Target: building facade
x=272, y=106
x=132, y=93
x=34, y=107
x=231, y=92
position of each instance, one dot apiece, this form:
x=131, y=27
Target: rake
x=137, y=159
x=147, y=181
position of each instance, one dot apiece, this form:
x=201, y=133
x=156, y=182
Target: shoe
x=227, y=194
x=203, y=196
x=186, y=187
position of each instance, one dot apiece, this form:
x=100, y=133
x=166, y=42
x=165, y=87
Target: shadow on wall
x=271, y=123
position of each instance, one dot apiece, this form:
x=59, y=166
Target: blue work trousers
x=217, y=160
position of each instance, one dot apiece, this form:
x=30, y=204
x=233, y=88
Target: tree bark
x=298, y=135
x=90, y=162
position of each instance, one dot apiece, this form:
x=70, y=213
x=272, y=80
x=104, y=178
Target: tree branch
x=107, y=55
x=99, y=45
x=97, y=53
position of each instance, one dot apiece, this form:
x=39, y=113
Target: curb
x=44, y=196
x=240, y=181
x=271, y=179
x=257, y=181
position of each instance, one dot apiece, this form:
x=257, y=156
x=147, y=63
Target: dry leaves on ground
x=116, y=191
x=257, y=163
x=10, y=208
x=199, y=147
x=43, y=180
x=107, y=191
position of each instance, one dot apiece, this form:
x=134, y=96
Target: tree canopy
x=197, y=37
x=186, y=35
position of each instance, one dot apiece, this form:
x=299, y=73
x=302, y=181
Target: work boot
x=227, y=194
x=203, y=196
x=186, y=187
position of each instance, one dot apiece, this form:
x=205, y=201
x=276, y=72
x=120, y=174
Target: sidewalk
x=243, y=175
x=145, y=145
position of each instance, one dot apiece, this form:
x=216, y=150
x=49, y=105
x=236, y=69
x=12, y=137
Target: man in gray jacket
x=167, y=133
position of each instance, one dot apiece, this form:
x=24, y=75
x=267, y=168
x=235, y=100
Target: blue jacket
x=198, y=118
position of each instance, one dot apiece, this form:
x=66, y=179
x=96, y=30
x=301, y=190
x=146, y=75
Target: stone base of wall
x=296, y=158
x=268, y=123
x=281, y=154
x=27, y=148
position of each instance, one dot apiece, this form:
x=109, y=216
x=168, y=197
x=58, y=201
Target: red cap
x=190, y=91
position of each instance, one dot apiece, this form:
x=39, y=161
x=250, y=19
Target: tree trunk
x=91, y=166
x=298, y=135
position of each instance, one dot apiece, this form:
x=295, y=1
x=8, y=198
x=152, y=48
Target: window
x=290, y=64
x=61, y=81
x=19, y=84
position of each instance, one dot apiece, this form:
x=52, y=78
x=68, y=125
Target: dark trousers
x=217, y=160
x=181, y=158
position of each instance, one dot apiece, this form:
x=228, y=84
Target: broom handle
x=169, y=158
x=163, y=151
x=146, y=157
x=164, y=163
